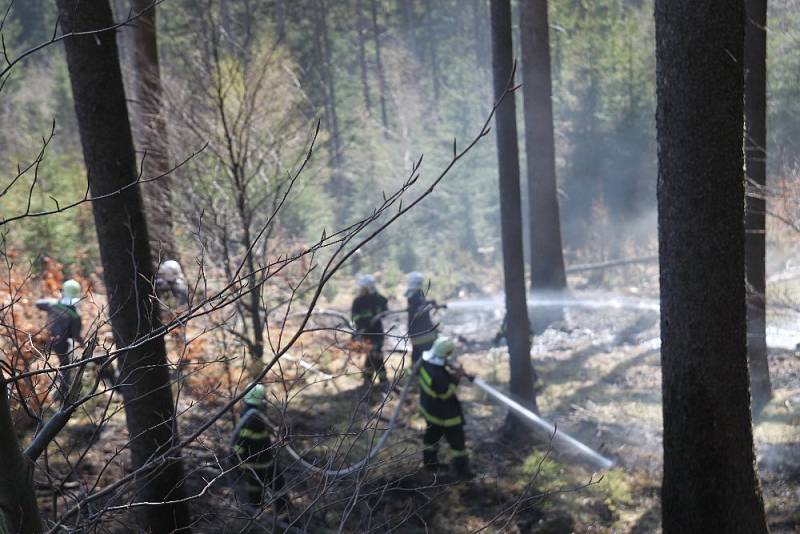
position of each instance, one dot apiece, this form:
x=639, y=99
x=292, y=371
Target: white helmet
x=414, y=281
x=367, y=282
x=70, y=292
x=170, y=271
x=442, y=351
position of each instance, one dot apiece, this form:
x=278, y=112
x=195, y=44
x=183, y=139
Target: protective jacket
x=438, y=402
x=365, y=309
x=251, y=440
x=421, y=330
x=63, y=324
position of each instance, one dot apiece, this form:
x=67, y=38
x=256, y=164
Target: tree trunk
x=150, y=129
x=338, y=184
x=280, y=20
x=127, y=264
x=362, y=54
x=432, y=40
x=547, y=258
x=478, y=22
x=330, y=84
x=710, y=482
x=18, y=509
x=409, y=23
x=522, y=374
x=376, y=34
x=755, y=89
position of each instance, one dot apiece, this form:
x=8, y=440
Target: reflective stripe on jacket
x=251, y=439
x=439, y=404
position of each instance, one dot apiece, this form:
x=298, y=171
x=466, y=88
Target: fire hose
x=372, y=452
x=558, y=439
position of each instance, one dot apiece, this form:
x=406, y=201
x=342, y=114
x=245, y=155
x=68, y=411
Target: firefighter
x=256, y=468
x=170, y=282
x=439, y=405
x=421, y=330
x=63, y=329
x=366, y=314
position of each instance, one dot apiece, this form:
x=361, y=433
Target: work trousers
x=61, y=348
x=455, y=438
x=374, y=363
x=250, y=487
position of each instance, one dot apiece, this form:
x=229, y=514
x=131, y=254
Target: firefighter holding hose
x=368, y=307
x=254, y=456
x=421, y=330
x=439, y=405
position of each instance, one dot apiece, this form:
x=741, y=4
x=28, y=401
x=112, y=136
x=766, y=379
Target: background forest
x=432, y=83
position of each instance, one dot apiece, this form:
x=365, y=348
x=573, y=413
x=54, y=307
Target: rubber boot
x=461, y=466
x=429, y=461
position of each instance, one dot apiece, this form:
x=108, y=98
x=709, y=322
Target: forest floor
x=600, y=382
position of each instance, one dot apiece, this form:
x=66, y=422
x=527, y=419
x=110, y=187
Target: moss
x=616, y=488
x=548, y=474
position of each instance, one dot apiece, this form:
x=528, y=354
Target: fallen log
x=609, y=264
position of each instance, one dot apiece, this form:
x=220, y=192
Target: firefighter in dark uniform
x=440, y=407
x=63, y=329
x=367, y=308
x=421, y=330
x=256, y=468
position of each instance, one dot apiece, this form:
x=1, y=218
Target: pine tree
x=710, y=482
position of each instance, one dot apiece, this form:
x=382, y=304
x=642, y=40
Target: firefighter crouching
x=256, y=468
x=440, y=407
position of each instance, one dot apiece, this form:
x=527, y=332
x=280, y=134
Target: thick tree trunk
x=127, y=263
x=150, y=129
x=18, y=508
x=376, y=34
x=710, y=482
x=547, y=258
x=755, y=89
x=522, y=375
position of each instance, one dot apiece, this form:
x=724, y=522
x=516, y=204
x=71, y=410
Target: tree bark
x=18, y=508
x=547, y=259
x=150, y=128
x=122, y=236
x=522, y=374
x=710, y=482
x=544, y=225
x=376, y=34
x=755, y=89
